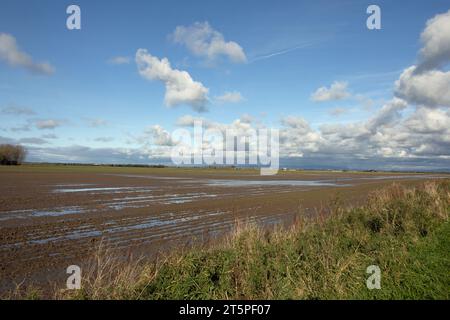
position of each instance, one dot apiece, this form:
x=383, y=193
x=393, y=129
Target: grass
x=405, y=231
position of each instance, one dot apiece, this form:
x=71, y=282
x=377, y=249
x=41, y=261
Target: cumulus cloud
x=337, y=91
x=297, y=123
x=160, y=136
x=430, y=88
x=11, y=54
x=203, y=41
x=425, y=85
x=423, y=134
x=436, y=42
x=48, y=124
x=388, y=114
x=119, y=60
x=180, y=87
x=426, y=121
x=230, y=97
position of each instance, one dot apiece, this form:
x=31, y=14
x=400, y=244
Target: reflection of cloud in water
x=34, y=213
x=245, y=183
x=113, y=189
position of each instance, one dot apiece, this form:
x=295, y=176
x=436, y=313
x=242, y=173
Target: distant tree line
x=11, y=155
x=99, y=164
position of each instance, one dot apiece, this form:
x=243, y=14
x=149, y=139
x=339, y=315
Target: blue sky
x=291, y=50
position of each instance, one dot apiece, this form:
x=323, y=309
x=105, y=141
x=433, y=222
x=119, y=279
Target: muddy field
x=55, y=216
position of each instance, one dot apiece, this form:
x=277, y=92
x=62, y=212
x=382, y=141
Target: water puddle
x=144, y=201
x=33, y=213
x=149, y=177
x=108, y=189
x=143, y=224
x=246, y=183
x=69, y=236
x=72, y=185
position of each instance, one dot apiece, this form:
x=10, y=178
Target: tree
x=11, y=155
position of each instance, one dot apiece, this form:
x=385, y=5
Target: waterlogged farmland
x=52, y=217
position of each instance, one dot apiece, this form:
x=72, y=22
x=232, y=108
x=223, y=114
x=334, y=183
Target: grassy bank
x=404, y=231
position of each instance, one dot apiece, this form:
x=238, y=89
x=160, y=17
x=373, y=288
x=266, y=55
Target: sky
x=342, y=95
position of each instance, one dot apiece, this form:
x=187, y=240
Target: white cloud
x=48, y=124
x=230, y=97
x=11, y=54
x=119, y=60
x=388, y=114
x=427, y=121
x=387, y=134
x=436, y=42
x=337, y=91
x=180, y=87
x=160, y=136
x=430, y=88
x=425, y=133
x=297, y=123
x=202, y=40
x=425, y=85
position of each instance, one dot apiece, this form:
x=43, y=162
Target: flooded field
x=51, y=218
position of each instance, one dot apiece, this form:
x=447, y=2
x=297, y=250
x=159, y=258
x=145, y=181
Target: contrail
x=277, y=53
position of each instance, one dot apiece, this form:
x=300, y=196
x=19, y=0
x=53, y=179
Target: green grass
x=430, y=268
x=403, y=230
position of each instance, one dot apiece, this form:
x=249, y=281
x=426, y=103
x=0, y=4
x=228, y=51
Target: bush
x=11, y=155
